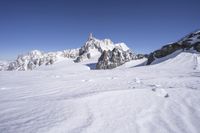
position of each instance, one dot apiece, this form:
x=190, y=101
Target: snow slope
x=178, y=59
x=122, y=46
x=68, y=97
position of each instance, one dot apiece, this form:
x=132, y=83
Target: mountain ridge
x=92, y=48
x=108, y=54
x=188, y=42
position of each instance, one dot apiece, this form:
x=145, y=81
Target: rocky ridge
x=112, y=59
x=189, y=42
x=93, y=48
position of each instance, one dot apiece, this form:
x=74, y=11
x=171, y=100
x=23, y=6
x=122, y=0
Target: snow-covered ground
x=68, y=97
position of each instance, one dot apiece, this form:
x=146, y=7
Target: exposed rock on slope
x=191, y=41
x=116, y=57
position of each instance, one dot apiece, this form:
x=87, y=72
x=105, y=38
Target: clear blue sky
x=50, y=25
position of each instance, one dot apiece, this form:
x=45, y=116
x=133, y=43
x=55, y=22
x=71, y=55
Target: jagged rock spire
x=90, y=36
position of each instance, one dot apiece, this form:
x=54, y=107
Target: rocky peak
x=93, y=48
x=90, y=36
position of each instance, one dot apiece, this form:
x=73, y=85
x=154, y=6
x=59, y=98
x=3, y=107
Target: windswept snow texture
x=68, y=97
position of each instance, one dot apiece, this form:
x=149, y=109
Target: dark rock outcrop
x=197, y=46
x=116, y=57
x=188, y=42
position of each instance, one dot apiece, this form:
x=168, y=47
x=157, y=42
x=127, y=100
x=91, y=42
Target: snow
x=123, y=46
x=3, y=65
x=68, y=97
x=133, y=63
x=106, y=44
x=94, y=53
x=168, y=57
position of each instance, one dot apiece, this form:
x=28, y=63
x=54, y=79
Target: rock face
x=116, y=57
x=191, y=41
x=94, y=48
x=37, y=58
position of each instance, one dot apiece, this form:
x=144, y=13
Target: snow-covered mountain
x=187, y=43
x=109, y=55
x=93, y=48
x=37, y=58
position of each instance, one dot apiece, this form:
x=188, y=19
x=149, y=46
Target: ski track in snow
x=161, y=98
x=197, y=62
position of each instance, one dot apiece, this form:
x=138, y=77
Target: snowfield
x=68, y=97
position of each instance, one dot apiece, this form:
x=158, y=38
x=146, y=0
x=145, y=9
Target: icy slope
x=67, y=97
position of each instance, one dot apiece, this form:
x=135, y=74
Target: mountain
x=109, y=55
x=118, y=56
x=37, y=58
x=187, y=43
x=93, y=48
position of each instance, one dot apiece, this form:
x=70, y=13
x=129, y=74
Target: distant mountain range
x=92, y=48
x=108, y=54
